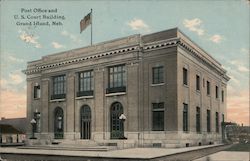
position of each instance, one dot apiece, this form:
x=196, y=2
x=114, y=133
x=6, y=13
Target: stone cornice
x=143, y=48
x=161, y=44
x=39, y=68
x=177, y=41
x=218, y=69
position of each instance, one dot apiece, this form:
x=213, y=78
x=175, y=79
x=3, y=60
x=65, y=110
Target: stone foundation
x=162, y=139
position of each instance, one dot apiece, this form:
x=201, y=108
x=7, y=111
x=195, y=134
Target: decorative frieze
x=161, y=44
x=140, y=47
x=39, y=68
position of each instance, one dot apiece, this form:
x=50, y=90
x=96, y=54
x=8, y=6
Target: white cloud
x=71, y=36
x=138, y=24
x=216, y=38
x=29, y=38
x=240, y=67
x=243, y=69
x=15, y=78
x=56, y=45
x=194, y=25
x=232, y=78
x=15, y=59
x=245, y=51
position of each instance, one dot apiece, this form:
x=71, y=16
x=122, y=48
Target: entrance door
x=117, y=129
x=58, y=123
x=85, y=122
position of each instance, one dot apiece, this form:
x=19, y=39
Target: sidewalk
x=143, y=153
x=226, y=156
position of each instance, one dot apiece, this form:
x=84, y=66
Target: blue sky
x=220, y=27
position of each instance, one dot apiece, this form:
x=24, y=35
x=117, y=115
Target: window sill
x=58, y=100
x=84, y=97
x=115, y=94
x=36, y=98
x=158, y=84
x=185, y=85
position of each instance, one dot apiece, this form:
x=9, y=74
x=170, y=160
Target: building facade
x=169, y=90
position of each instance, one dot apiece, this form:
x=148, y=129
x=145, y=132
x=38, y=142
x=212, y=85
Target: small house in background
x=13, y=130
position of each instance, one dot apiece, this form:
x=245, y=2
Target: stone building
x=171, y=92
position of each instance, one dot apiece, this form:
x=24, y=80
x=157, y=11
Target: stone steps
x=85, y=143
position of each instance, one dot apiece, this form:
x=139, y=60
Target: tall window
x=208, y=88
x=158, y=117
x=185, y=76
x=117, y=79
x=185, y=117
x=59, y=87
x=37, y=91
x=198, y=83
x=217, y=121
x=85, y=83
x=223, y=118
x=216, y=92
x=222, y=96
x=198, y=119
x=208, y=121
x=158, y=75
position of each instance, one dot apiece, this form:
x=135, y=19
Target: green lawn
x=240, y=147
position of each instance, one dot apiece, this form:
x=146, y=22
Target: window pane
x=86, y=81
x=124, y=79
x=185, y=117
x=92, y=82
x=157, y=75
x=208, y=121
x=208, y=88
x=117, y=78
x=158, y=116
x=216, y=92
x=185, y=75
x=217, y=121
x=59, y=85
x=198, y=119
x=158, y=120
x=197, y=82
